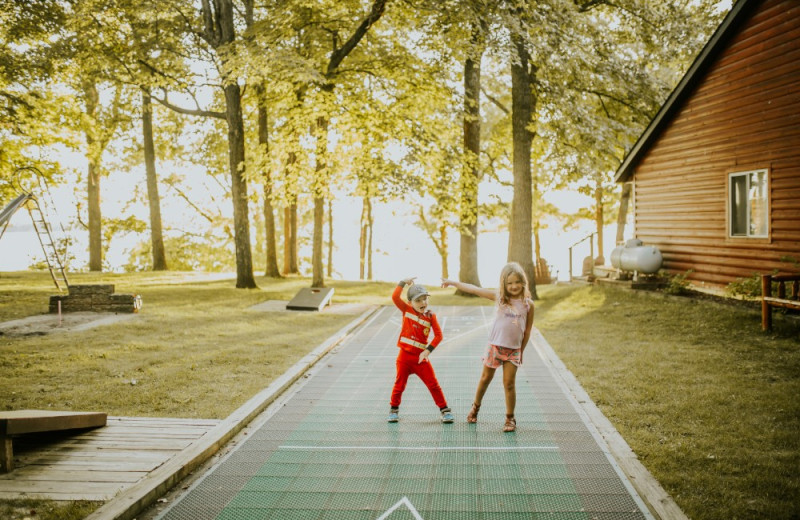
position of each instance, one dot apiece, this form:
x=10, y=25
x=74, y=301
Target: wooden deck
x=97, y=464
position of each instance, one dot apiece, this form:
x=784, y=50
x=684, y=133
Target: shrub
x=678, y=284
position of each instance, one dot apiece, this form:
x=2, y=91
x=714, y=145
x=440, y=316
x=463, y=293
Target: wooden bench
x=790, y=300
x=20, y=422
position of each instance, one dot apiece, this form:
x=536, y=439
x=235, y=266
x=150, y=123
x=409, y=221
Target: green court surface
x=328, y=452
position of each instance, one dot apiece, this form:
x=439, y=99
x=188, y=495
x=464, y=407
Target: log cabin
x=716, y=175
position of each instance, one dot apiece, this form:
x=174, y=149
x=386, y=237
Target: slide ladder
x=43, y=231
x=51, y=256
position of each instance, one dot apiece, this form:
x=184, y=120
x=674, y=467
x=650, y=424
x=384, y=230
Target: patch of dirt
x=42, y=324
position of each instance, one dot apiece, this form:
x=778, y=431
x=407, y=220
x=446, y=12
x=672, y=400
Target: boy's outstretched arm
x=489, y=294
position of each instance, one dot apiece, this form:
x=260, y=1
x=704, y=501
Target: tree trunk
x=154, y=201
x=270, y=230
x=290, y=225
x=622, y=215
x=330, y=239
x=95, y=224
x=537, y=198
x=287, y=239
x=219, y=31
x=519, y=240
x=468, y=258
x=294, y=268
x=271, y=269
x=443, y=253
x=320, y=185
x=241, y=218
x=317, y=274
x=362, y=239
x=370, y=229
x=598, y=216
x=95, y=218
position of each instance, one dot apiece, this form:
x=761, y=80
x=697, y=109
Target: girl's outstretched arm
x=489, y=294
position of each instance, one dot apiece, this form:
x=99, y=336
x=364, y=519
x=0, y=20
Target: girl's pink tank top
x=509, y=324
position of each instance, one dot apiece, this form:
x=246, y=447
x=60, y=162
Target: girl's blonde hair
x=509, y=269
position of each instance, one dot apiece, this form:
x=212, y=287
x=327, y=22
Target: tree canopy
x=262, y=115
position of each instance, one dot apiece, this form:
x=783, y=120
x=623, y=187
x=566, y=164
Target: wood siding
x=743, y=115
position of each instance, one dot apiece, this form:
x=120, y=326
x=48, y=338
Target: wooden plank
x=153, y=443
x=57, y=466
x=98, y=464
x=47, y=473
x=108, y=488
x=59, y=490
x=55, y=495
x=780, y=302
x=18, y=422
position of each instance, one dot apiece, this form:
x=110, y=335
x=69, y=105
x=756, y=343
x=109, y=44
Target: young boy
x=418, y=321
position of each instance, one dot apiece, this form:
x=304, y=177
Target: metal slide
x=8, y=211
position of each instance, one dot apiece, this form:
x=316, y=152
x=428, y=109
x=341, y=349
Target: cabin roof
x=683, y=90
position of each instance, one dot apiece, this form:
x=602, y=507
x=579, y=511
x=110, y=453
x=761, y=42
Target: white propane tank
x=634, y=256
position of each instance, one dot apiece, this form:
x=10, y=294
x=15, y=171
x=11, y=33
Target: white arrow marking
x=407, y=503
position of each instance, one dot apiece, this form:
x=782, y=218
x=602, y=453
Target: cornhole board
x=311, y=299
x=20, y=422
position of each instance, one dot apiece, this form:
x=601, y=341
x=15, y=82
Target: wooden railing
x=790, y=300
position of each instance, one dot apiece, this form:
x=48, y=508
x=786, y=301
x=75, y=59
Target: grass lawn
x=707, y=401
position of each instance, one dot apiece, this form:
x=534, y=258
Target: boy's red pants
x=407, y=364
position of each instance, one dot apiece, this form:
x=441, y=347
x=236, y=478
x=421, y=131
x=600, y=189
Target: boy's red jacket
x=416, y=327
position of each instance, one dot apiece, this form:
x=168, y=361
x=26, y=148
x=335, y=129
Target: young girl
x=508, y=337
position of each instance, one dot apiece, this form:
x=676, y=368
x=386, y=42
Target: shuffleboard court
x=329, y=453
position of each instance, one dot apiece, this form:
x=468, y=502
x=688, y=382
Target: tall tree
x=271, y=268
x=523, y=100
x=154, y=200
x=219, y=32
x=327, y=87
x=471, y=174
x=99, y=127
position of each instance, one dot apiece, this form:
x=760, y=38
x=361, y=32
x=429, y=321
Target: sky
x=400, y=248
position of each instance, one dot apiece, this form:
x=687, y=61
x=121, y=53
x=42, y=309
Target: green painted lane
x=329, y=453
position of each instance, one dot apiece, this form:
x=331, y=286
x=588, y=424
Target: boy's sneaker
x=447, y=416
x=393, y=416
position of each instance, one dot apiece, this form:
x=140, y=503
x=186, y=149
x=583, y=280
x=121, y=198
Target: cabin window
x=749, y=204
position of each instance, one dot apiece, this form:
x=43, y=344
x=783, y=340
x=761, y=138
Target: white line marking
x=421, y=448
x=403, y=501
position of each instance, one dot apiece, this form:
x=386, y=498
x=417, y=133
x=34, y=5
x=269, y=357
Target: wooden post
x=7, y=456
x=766, y=310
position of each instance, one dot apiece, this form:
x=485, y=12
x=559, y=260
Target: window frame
x=729, y=205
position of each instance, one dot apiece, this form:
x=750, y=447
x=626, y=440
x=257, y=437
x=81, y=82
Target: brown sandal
x=511, y=424
x=472, y=416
